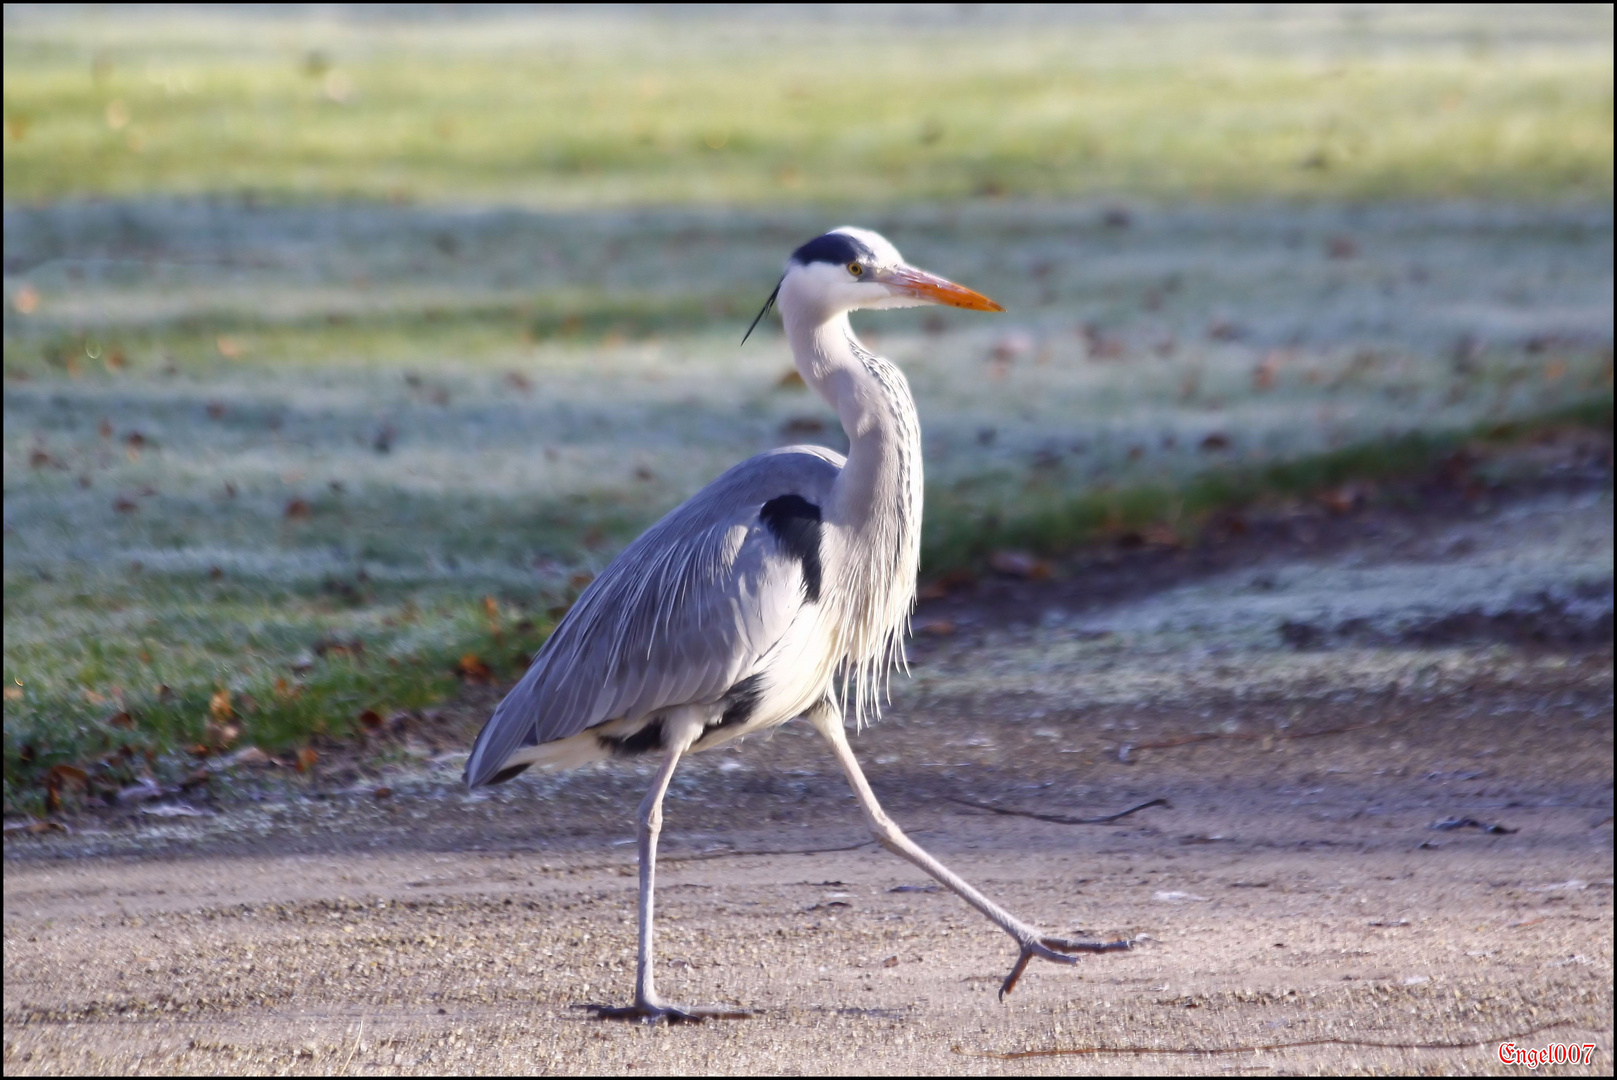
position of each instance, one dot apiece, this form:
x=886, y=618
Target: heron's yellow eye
x=855, y=269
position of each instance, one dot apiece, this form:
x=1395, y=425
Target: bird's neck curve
x=875, y=503
x=882, y=478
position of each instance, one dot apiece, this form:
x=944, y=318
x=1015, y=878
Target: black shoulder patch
x=838, y=249
x=795, y=523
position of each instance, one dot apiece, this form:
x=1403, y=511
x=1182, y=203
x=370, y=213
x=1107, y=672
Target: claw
x=1057, y=950
x=1016, y=972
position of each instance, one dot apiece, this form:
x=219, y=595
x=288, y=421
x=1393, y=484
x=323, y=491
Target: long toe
x=1077, y=945
x=1059, y=950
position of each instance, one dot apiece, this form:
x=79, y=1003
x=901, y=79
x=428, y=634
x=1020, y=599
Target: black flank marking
x=796, y=524
x=838, y=249
x=741, y=701
x=644, y=741
x=505, y=774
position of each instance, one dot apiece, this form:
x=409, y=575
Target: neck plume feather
x=875, y=510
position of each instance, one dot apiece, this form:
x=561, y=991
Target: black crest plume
x=762, y=312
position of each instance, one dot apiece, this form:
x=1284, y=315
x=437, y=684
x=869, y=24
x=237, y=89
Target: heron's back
x=684, y=615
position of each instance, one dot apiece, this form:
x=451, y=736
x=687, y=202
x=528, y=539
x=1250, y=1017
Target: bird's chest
x=800, y=668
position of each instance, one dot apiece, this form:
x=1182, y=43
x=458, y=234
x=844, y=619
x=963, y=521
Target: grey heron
x=783, y=589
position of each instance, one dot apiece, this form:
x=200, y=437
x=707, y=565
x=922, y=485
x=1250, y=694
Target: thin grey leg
x=827, y=719
x=680, y=730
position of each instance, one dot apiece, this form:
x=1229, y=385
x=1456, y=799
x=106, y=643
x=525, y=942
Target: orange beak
x=939, y=290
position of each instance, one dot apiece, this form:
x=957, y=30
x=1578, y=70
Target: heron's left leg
x=827, y=719
x=680, y=728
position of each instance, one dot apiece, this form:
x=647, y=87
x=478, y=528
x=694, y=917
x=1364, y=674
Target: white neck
x=875, y=505
x=872, y=399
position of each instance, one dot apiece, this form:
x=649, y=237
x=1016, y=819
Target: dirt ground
x=1311, y=696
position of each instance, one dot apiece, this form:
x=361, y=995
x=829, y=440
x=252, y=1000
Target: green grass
x=469, y=289
x=362, y=647
x=579, y=109
x=185, y=642
x=960, y=533
x=535, y=430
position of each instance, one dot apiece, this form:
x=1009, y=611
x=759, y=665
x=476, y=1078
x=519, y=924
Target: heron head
x=850, y=268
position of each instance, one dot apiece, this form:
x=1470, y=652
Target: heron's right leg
x=827, y=719
x=681, y=728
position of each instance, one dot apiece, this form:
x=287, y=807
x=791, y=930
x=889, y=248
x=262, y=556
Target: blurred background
x=343, y=344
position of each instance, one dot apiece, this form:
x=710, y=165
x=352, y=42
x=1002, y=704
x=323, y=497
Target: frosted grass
x=493, y=413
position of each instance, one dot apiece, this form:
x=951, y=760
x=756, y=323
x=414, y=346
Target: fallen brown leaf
x=951, y=582
x=1341, y=247
x=327, y=647
x=472, y=669
x=248, y=755
x=306, y=759
x=1345, y=499
x=219, y=705
x=299, y=508
x=370, y=720
x=1160, y=535
x=56, y=778
x=33, y=826
x=1013, y=345
x=222, y=736
x=1263, y=376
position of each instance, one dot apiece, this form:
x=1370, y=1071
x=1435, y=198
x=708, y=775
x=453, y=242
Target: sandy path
x=1293, y=890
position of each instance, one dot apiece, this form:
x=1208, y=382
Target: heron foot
x=662, y=1012
x=1057, y=950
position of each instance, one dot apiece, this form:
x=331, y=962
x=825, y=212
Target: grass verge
x=704, y=108
x=959, y=533
x=57, y=751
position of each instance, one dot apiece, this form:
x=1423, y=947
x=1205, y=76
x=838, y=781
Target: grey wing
x=680, y=616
